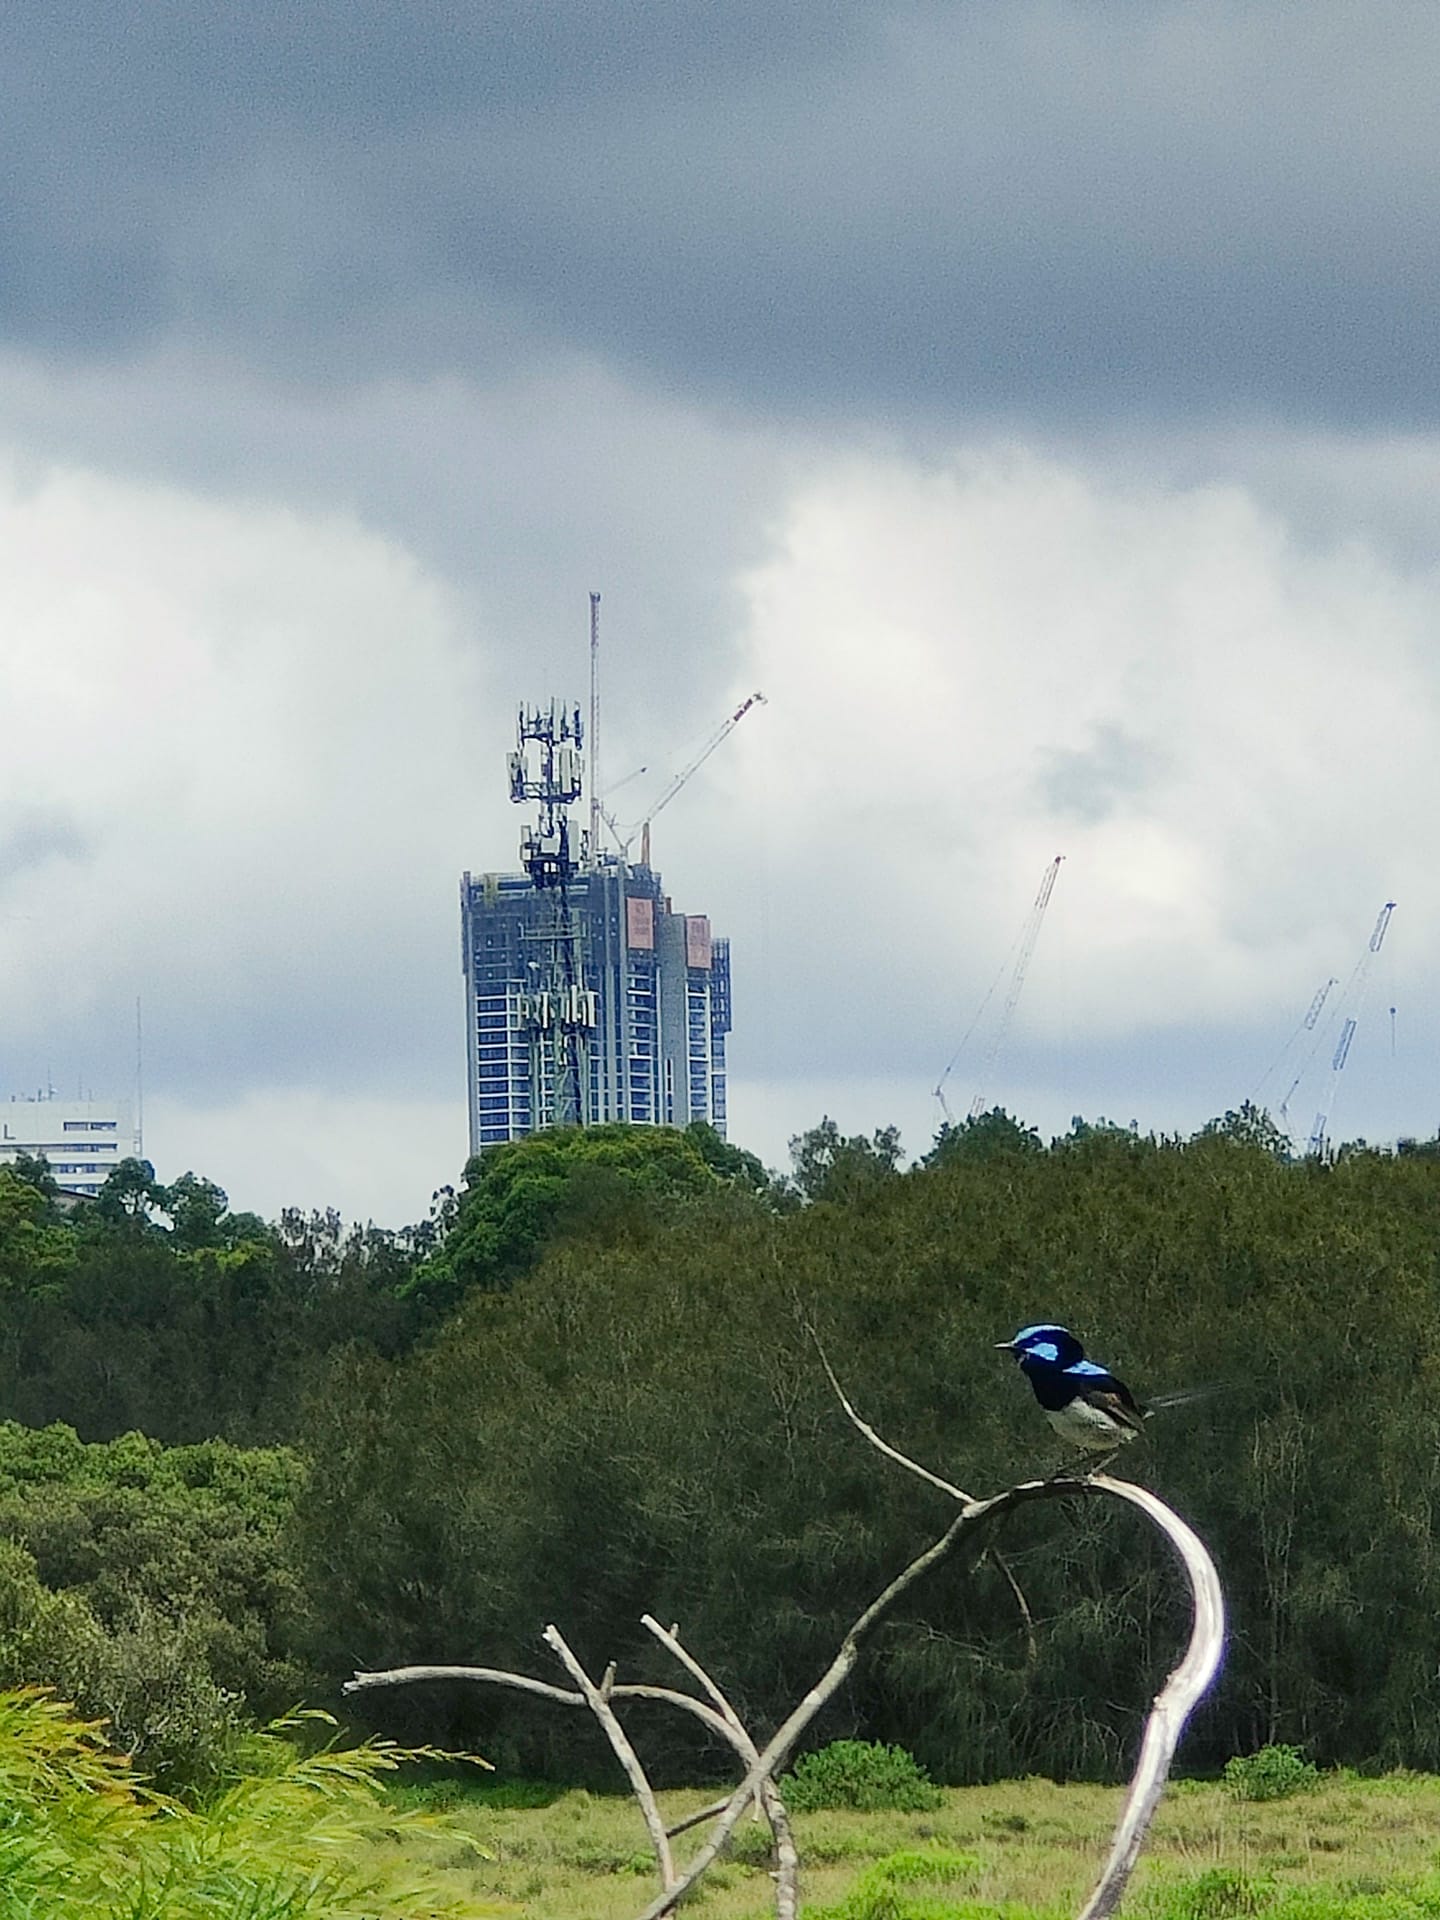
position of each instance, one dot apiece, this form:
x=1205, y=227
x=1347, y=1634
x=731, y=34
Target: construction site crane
x=716, y=739
x=1029, y=934
x=1355, y=1001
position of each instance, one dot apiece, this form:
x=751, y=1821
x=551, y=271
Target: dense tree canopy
x=586, y=1387
x=599, y=1182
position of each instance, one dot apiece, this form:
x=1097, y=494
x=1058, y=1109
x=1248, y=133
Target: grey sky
x=1039, y=402
x=1041, y=209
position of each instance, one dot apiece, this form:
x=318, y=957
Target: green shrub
x=292, y=1841
x=863, y=1775
x=751, y=1844
x=1221, y=1893
x=1274, y=1773
x=148, y=1683
x=914, y=1885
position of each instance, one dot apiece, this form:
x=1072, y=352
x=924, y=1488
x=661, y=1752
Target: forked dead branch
x=1168, y=1715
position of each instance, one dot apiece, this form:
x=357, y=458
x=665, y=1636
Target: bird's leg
x=1102, y=1463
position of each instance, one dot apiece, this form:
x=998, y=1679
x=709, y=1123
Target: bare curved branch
x=1183, y=1690
x=1176, y=1700
x=881, y=1445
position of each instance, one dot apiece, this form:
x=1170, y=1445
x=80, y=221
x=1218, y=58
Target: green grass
x=1347, y=1849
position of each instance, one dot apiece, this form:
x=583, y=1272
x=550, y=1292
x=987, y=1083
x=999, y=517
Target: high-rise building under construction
x=587, y=997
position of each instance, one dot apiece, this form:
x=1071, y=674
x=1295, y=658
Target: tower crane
x=642, y=827
x=1359, y=983
x=1030, y=933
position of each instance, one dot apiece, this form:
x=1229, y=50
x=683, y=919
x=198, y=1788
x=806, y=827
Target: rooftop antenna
x=559, y=1017
x=594, y=848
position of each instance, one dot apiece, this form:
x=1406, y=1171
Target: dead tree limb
x=787, y=1860
x=1181, y=1693
x=720, y=1719
x=598, y=1700
x=1176, y=1700
x=1167, y=1719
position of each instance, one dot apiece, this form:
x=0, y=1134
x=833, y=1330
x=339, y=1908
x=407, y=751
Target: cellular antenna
x=593, y=859
x=558, y=1014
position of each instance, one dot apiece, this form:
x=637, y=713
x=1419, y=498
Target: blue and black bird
x=1083, y=1402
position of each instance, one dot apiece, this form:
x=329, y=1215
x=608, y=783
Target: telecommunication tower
x=557, y=1011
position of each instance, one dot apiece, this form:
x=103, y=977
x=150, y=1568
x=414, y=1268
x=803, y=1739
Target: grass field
x=1348, y=1849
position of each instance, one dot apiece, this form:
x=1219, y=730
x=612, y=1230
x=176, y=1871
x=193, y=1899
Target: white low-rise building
x=83, y=1140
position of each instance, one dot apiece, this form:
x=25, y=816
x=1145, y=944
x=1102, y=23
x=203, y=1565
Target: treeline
x=157, y=1309
x=587, y=1389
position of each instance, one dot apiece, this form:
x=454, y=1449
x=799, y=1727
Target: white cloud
x=1229, y=731
x=274, y=1147
x=255, y=746
x=259, y=737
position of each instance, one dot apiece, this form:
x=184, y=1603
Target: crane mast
x=1024, y=949
x=1017, y=980
x=1359, y=984
x=721, y=734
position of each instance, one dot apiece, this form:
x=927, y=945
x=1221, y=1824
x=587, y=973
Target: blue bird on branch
x=1085, y=1403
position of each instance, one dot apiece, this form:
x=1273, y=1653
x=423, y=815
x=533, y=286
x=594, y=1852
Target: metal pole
x=594, y=859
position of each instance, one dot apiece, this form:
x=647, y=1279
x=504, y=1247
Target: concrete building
x=83, y=1140
x=591, y=1002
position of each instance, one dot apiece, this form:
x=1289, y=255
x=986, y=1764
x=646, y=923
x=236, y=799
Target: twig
x=1032, y=1645
x=882, y=1446
x=697, y=1819
x=599, y=1705
x=787, y=1860
x=492, y=1676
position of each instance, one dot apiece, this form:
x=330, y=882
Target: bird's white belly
x=1087, y=1427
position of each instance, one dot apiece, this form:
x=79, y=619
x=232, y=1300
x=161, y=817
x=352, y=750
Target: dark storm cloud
x=934, y=210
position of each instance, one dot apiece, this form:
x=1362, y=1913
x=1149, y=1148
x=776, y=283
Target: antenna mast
x=559, y=1012
x=593, y=859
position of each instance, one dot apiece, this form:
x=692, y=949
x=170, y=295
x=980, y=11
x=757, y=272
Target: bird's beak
x=1004, y=1346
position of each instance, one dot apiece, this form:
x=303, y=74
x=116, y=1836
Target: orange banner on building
x=640, y=923
x=697, y=940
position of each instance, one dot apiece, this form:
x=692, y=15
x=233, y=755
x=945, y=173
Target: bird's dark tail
x=1161, y=1402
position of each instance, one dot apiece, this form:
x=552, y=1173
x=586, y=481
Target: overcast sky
x=1039, y=403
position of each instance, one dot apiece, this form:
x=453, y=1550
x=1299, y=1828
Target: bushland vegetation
x=293, y=1838
x=586, y=1387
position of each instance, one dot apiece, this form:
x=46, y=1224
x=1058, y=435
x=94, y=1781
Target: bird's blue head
x=1046, y=1346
